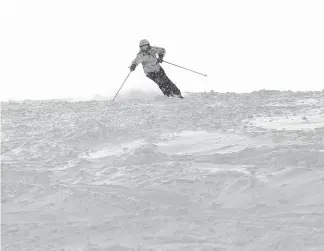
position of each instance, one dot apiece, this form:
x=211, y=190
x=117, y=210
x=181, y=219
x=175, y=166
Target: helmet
x=144, y=42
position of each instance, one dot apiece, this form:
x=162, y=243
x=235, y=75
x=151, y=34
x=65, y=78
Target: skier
x=151, y=65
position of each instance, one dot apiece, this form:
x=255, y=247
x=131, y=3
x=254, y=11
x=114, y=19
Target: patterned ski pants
x=165, y=84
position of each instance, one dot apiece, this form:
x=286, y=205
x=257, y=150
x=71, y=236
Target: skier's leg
x=164, y=85
x=173, y=89
x=154, y=76
x=157, y=77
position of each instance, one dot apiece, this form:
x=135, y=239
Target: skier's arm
x=136, y=62
x=160, y=51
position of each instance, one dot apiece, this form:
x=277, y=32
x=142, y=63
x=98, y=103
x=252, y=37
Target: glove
x=160, y=60
x=132, y=67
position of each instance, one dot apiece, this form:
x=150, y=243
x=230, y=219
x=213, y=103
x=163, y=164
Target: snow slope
x=210, y=172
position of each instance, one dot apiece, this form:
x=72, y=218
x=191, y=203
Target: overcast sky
x=80, y=48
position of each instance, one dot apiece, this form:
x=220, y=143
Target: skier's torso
x=148, y=59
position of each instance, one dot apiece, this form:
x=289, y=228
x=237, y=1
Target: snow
x=214, y=171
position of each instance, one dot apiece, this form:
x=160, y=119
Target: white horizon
x=78, y=49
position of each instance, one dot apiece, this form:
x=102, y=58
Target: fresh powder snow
x=212, y=171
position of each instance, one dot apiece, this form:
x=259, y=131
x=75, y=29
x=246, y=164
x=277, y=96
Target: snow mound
x=309, y=122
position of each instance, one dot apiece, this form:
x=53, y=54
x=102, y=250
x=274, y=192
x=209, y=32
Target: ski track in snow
x=210, y=172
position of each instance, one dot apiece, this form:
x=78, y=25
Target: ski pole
x=185, y=68
x=121, y=85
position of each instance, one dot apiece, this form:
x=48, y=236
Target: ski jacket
x=148, y=59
